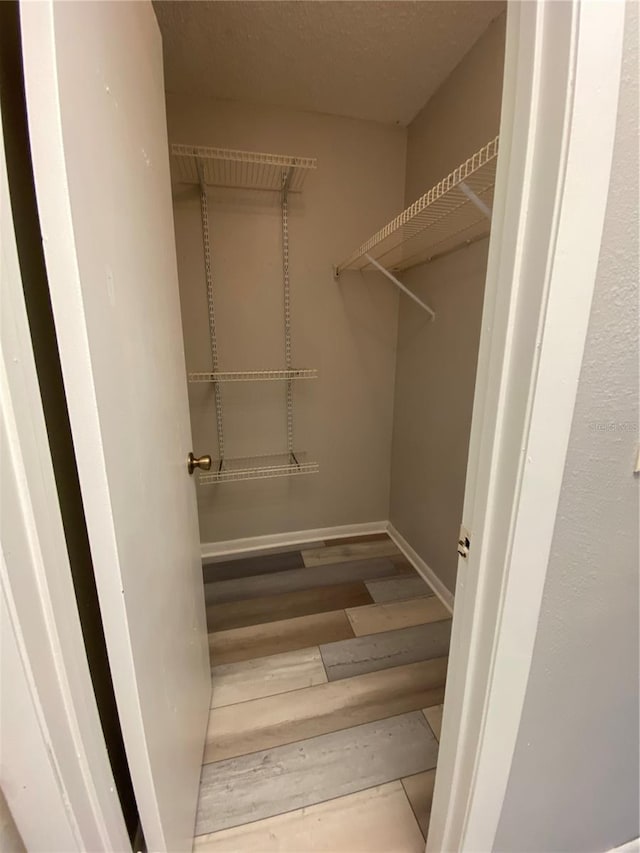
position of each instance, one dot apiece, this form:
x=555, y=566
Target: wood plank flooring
x=252, y=679
x=397, y=589
x=328, y=668
x=399, y=614
x=270, y=782
x=377, y=820
x=342, y=553
x=419, y=790
x=389, y=649
x=291, y=580
x=287, y=605
x=275, y=720
x=255, y=641
x=245, y=567
x=434, y=718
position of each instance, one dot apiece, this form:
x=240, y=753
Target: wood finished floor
x=328, y=670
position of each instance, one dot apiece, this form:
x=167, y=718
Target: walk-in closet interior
x=333, y=166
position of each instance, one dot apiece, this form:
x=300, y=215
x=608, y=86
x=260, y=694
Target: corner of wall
x=436, y=363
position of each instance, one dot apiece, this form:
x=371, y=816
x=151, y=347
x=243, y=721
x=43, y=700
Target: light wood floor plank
x=297, y=579
x=271, y=638
x=434, y=718
x=378, y=820
x=398, y=588
x=270, y=782
x=375, y=652
x=399, y=614
x=287, y=605
x=342, y=553
x=253, y=679
x=419, y=790
x=275, y=720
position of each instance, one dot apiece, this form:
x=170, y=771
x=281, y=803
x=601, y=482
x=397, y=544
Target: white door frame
x=559, y=111
x=562, y=77
x=54, y=767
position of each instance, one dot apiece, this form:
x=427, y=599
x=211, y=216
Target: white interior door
x=95, y=100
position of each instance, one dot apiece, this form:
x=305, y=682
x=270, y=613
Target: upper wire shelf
x=255, y=375
x=455, y=212
x=225, y=167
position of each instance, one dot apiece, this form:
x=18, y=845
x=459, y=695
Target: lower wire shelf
x=254, y=375
x=229, y=470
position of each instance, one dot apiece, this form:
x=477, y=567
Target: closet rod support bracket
x=402, y=287
x=484, y=208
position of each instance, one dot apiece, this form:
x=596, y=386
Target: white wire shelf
x=455, y=212
x=258, y=468
x=254, y=375
x=224, y=167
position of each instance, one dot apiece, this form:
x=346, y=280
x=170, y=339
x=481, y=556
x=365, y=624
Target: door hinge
x=464, y=542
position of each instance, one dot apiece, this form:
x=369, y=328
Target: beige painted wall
x=436, y=362
x=347, y=330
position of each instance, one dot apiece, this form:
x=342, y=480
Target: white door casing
x=559, y=110
x=95, y=101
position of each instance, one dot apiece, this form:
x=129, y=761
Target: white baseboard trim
x=629, y=847
x=256, y=545
x=422, y=568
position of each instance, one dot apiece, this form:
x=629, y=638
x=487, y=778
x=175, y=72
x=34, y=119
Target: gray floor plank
x=398, y=588
x=270, y=782
x=295, y=579
x=381, y=651
x=245, y=567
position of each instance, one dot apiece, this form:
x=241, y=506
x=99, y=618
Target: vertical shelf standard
x=222, y=167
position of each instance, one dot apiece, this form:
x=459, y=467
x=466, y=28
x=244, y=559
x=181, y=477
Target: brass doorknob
x=202, y=462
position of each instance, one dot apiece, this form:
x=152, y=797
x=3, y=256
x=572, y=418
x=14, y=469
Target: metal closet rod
x=402, y=287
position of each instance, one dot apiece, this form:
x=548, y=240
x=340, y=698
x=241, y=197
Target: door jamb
x=55, y=772
x=561, y=84
x=504, y=575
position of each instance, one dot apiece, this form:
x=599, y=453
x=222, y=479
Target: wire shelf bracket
x=402, y=287
x=484, y=208
x=451, y=215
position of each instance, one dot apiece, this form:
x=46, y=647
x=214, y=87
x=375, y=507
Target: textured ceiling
x=370, y=59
